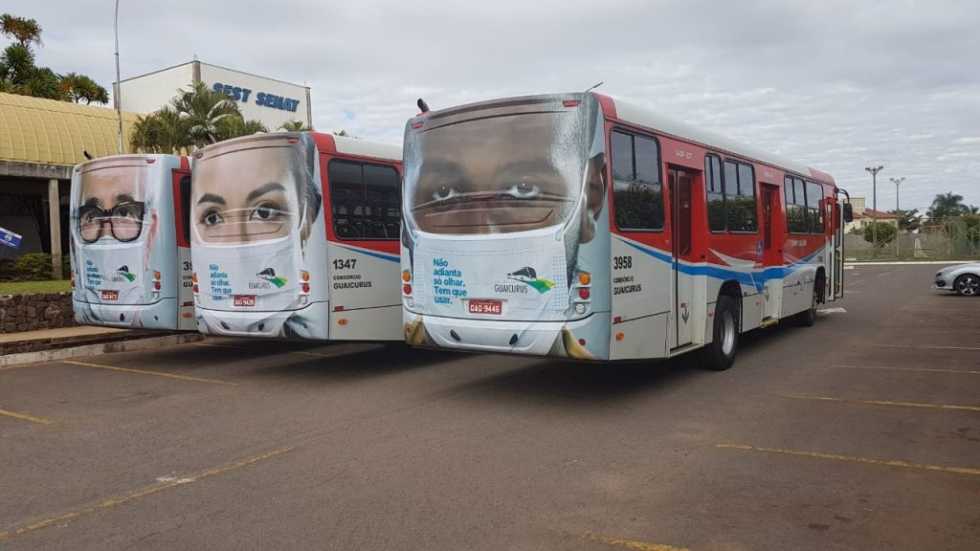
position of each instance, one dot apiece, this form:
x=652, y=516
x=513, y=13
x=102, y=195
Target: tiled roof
x=44, y=131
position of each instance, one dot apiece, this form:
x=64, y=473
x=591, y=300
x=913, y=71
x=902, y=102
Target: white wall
x=254, y=95
x=148, y=93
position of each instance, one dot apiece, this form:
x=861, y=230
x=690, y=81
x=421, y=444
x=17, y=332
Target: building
x=864, y=216
x=270, y=101
x=41, y=140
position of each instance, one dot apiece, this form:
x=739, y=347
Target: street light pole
x=874, y=203
x=898, y=211
x=118, y=90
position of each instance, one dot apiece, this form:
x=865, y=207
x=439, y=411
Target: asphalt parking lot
x=862, y=432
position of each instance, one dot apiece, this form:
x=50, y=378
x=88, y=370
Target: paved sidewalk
x=59, y=333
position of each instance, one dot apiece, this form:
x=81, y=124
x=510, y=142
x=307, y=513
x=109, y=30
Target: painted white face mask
x=113, y=272
x=269, y=271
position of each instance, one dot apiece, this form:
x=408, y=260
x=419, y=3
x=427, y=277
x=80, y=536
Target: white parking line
x=926, y=346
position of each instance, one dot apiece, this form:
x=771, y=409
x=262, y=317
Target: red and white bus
x=295, y=235
x=576, y=225
x=130, y=249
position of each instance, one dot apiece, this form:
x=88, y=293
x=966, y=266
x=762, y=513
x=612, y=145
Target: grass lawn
x=27, y=287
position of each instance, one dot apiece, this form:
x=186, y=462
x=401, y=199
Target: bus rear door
x=680, y=182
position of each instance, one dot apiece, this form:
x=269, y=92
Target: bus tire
x=808, y=317
x=719, y=354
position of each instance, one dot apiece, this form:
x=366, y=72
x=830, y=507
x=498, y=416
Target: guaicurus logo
x=528, y=276
x=269, y=275
x=123, y=272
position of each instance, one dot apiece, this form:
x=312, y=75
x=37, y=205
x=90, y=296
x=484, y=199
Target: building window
x=637, y=187
x=365, y=200
x=715, y=193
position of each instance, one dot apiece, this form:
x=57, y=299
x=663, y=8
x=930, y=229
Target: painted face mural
x=499, y=199
x=254, y=206
x=115, y=234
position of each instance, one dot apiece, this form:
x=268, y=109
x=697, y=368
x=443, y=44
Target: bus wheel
x=808, y=317
x=719, y=355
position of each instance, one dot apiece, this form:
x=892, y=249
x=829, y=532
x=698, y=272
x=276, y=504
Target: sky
x=837, y=85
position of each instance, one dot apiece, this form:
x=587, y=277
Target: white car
x=963, y=279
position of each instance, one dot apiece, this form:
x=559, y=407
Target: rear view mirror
x=848, y=213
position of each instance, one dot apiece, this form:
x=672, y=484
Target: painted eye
x=444, y=192
x=265, y=212
x=212, y=218
x=524, y=190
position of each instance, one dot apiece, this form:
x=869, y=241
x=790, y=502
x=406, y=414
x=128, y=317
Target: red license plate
x=244, y=300
x=482, y=306
x=109, y=294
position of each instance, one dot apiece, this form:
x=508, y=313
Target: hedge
x=29, y=267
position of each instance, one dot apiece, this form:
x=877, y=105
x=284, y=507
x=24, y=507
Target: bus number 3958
x=622, y=262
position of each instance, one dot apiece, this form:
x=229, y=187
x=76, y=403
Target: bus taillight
x=156, y=284
x=583, y=287
x=407, y=288
x=194, y=287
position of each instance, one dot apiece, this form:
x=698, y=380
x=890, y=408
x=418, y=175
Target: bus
x=129, y=242
x=582, y=226
x=295, y=235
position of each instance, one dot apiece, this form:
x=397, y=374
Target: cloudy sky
x=835, y=84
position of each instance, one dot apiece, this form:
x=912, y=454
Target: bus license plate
x=109, y=294
x=244, y=300
x=480, y=306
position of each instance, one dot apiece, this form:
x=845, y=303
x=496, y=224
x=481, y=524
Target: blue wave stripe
x=755, y=278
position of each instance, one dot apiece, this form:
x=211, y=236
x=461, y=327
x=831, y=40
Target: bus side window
x=346, y=198
x=746, y=218
x=384, y=199
x=185, y=204
x=637, y=187
x=814, y=194
x=715, y=192
x=802, y=216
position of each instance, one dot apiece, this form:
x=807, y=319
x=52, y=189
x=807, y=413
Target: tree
x=972, y=209
x=886, y=233
x=294, y=126
x=21, y=29
x=946, y=205
x=163, y=131
x=908, y=220
x=234, y=127
x=204, y=110
x=80, y=87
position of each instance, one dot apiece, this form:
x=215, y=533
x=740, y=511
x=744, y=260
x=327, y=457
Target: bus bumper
x=585, y=339
x=159, y=315
x=309, y=322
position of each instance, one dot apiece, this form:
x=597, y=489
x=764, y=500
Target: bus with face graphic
x=295, y=235
x=130, y=248
x=579, y=226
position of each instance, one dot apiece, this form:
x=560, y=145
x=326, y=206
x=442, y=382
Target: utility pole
x=874, y=204
x=118, y=90
x=898, y=212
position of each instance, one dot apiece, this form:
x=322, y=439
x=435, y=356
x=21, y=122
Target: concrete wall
x=31, y=312
x=147, y=93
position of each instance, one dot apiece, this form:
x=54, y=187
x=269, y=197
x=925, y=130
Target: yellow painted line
x=954, y=407
x=855, y=459
x=146, y=372
x=25, y=417
x=913, y=369
x=927, y=346
x=145, y=491
x=634, y=545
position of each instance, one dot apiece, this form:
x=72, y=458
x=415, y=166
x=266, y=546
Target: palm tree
x=294, y=126
x=80, y=87
x=234, y=127
x=204, y=110
x=21, y=29
x=163, y=131
x=972, y=209
x=946, y=205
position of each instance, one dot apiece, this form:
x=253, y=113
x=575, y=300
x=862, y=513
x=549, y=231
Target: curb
x=145, y=343
x=906, y=262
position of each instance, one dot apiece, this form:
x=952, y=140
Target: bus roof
x=632, y=112
x=354, y=146
x=115, y=160
x=326, y=143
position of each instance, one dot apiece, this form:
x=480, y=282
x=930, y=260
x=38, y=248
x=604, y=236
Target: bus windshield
x=499, y=173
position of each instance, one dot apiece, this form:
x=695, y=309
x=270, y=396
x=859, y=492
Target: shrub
x=30, y=267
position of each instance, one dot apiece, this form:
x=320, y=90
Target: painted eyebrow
x=125, y=198
x=93, y=202
x=211, y=198
x=262, y=190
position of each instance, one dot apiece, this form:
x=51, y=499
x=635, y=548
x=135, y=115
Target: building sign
x=10, y=238
x=261, y=99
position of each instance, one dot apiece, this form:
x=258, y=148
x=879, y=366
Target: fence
x=955, y=243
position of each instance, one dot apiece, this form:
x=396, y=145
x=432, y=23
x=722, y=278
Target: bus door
x=182, y=217
x=837, y=251
x=680, y=181
x=772, y=254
